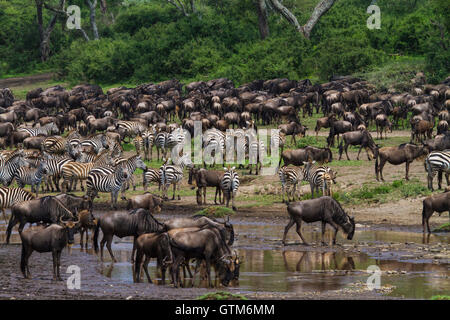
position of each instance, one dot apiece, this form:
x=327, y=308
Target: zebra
x=113, y=182
x=289, y=176
x=95, y=143
x=149, y=138
x=138, y=142
x=256, y=154
x=11, y=196
x=73, y=171
x=151, y=175
x=175, y=138
x=318, y=177
x=437, y=161
x=214, y=142
x=229, y=185
x=131, y=128
x=31, y=176
x=161, y=143
x=54, y=171
x=54, y=144
x=9, y=166
x=172, y=174
x=48, y=129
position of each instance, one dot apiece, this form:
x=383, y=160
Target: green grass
x=222, y=295
x=440, y=297
x=216, y=212
x=443, y=228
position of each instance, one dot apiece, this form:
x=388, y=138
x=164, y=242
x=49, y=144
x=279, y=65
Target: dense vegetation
x=152, y=41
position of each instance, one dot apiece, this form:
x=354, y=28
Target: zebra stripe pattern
x=48, y=129
x=151, y=175
x=9, y=166
x=289, y=177
x=96, y=143
x=172, y=174
x=437, y=161
x=30, y=176
x=161, y=143
x=11, y=196
x=317, y=178
x=229, y=185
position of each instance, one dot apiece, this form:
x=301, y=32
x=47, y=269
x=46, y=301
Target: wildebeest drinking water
x=46, y=239
x=324, y=209
x=46, y=209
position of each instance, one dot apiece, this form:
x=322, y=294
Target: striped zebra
x=214, y=142
x=54, y=171
x=318, y=177
x=95, y=143
x=277, y=139
x=54, y=144
x=31, y=176
x=161, y=143
x=113, y=182
x=437, y=161
x=138, y=142
x=256, y=153
x=229, y=185
x=149, y=139
x=131, y=128
x=151, y=175
x=74, y=171
x=176, y=138
x=11, y=196
x=9, y=166
x=47, y=130
x=172, y=174
x=289, y=177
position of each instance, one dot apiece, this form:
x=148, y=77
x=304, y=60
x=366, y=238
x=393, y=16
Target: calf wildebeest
x=46, y=209
x=324, y=209
x=151, y=202
x=405, y=152
x=206, y=178
x=203, y=244
x=363, y=138
x=293, y=129
x=124, y=224
x=153, y=245
x=87, y=221
x=299, y=156
x=46, y=239
x=438, y=202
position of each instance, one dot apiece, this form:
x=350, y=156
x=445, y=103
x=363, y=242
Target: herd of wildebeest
x=78, y=135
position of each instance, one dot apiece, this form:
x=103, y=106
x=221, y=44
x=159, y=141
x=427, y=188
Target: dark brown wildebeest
x=6, y=130
x=202, y=244
x=87, y=221
x=382, y=122
x=361, y=138
x=46, y=239
x=440, y=142
x=74, y=203
x=324, y=209
x=206, y=178
x=293, y=129
x=439, y=203
x=442, y=127
x=299, y=156
x=324, y=122
x=405, y=152
x=421, y=129
x=125, y=224
x=46, y=209
x=151, y=202
x=336, y=128
x=153, y=245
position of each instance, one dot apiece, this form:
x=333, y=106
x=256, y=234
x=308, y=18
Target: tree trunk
x=44, y=34
x=263, y=23
x=92, y=5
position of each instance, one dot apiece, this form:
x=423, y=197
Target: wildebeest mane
x=339, y=215
x=54, y=206
x=149, y=222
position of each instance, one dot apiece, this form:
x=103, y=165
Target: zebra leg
x=4, y=215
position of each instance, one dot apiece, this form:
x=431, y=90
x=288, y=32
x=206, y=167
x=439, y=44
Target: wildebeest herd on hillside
x=57, y=138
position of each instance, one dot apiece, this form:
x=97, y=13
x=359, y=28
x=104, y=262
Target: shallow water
x=270, y=267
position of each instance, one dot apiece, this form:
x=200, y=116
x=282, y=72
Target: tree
x=263, y=23
x=321, y=8
x=92, y=5
x=186, y=7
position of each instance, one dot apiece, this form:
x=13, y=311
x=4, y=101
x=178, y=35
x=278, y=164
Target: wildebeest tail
x=22, y=260
x=95, y=239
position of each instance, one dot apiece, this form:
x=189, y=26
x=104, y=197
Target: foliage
x=217, y=212
x=222, y=295
x=443, y=228
x=440, y=297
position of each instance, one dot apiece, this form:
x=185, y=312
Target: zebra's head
x=140, y=163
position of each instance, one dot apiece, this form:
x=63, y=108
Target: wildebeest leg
x=145, y=266
x=215, y=195
x=334, y=225
x=360, y=148
x=108, y=246
x=380, y=168
x=204, y=195
x=58, y=265
x=286, y=229
x=81, y=238
x=407, y=170
x=324, y=223
x=55, y=263
x=299, y=230
x=233, y=194
x=133, y=251
x=312, y=190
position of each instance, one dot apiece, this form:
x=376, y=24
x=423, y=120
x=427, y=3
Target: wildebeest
x=382, y=122
x=324, y=209
x=336, y=128
x=405, y=152
x=438, y=202
x=299, y=156
x=293, y=129
x=324, y=122
x=46, y=239
x=125, y=224
x=206, y=178
x=87, y=221
x=203, y=244
x=151, y=202
x=47, y=209
x=153, y=245
x=363, y=138
x=421, y=129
